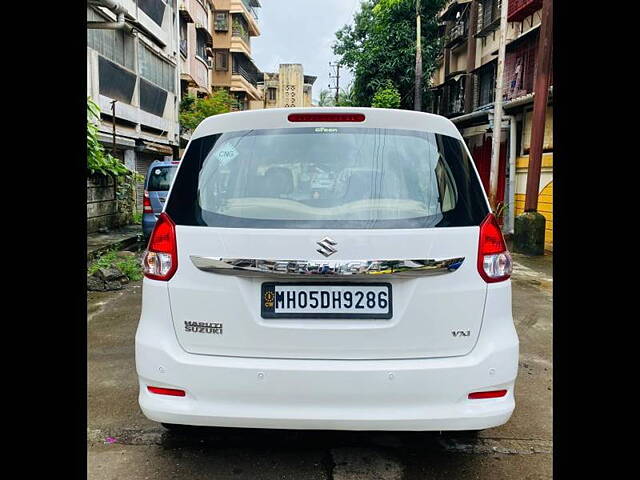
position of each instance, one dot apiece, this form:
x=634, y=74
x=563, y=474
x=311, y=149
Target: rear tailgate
x=433, y=316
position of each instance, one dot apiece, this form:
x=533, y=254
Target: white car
x=381, y=301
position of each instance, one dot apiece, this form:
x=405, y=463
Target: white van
x=327, y=268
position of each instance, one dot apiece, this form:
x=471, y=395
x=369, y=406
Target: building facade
x=133, y=68
x=289, y=87
x=463, y=89
x=234, y=24
x=196, y=47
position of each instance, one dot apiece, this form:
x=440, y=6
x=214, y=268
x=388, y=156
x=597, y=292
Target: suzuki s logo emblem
x=326, y=247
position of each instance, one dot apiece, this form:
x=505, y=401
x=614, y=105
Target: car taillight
x=161, y=258
x=146, y=203
x=326, y=117
x=494, y=260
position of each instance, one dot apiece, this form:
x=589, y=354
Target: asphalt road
x=123, y=444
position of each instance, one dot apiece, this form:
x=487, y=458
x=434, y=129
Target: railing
x=458, y=32
x=245, y=68
x=521, y=9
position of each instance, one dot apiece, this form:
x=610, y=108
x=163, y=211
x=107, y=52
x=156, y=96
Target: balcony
x=248, y=9
x=521, y=9
x=245, y=76
x=183, y=10
x=457, y=34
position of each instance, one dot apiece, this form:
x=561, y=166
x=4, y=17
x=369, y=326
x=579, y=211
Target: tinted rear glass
x=160, y=179
x=349, y=177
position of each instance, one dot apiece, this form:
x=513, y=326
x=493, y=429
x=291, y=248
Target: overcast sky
x=302, y=31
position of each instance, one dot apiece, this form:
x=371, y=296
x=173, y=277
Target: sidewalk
x=119, y=238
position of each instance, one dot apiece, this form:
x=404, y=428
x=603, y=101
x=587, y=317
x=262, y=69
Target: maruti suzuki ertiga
x=327, y=268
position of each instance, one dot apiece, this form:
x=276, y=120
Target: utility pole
x=113, y=122
x=497, y=108
x=417, y=102
x=541, y=96
x=530, y=226
x=337, y=77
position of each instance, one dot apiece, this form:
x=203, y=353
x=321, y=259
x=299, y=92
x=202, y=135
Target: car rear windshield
x=363, y=178
x=160, y=179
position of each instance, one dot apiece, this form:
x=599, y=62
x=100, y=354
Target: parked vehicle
x=156, y=188
x=334, y=268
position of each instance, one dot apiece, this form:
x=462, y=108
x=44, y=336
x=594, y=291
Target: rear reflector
x=493, y=394
x=326, y=117
x=167, y=391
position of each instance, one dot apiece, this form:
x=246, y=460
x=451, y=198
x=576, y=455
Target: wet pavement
x=124, y=444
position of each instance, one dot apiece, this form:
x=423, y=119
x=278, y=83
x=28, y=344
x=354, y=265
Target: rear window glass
x=327, y=178
x=160, y=179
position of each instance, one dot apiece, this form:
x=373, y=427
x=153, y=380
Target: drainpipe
x=511, y=211
x=116, y=8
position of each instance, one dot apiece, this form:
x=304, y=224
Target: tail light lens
x=494, y=260
x=146, y=203
x=161, y=259
x=326, y=117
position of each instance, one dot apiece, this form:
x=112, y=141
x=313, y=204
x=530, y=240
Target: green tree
x=346, y=98
x=325, y=99
x=194, y=110
x=99, y=161
x=380, y=45
x=387, y=96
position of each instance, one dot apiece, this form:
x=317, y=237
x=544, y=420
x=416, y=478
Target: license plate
x=326, y=300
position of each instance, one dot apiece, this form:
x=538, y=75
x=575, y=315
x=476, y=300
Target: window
x=156, y=70
x=271, y=92
x=486, y=85
x=114, y=45
x=154, y=9
x=201, y=43
x=160, y=179
x=222, y=21
x=327, y=178
x=222, y=61
x=490, y=12
x=184, y=35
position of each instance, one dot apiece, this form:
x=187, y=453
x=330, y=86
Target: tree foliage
x=194, y=110
x=99, y=161
x=380, y=45
x=387, y=96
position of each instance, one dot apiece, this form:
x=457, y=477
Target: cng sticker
x=226, y=153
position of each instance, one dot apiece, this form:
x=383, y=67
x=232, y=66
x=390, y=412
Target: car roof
x=278, y=118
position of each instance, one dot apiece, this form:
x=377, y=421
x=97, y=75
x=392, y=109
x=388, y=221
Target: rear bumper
x=408, y=394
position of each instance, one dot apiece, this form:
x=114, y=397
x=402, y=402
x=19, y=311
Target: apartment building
x=133, y=60
x=463, y=89
x=235, y=23
x=289, y=87
x=196, y=46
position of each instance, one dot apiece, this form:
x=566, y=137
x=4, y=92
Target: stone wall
x=108, y=204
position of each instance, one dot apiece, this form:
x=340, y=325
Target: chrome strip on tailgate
x=296, y=268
